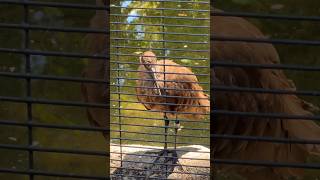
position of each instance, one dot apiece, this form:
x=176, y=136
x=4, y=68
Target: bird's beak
x=154, y=77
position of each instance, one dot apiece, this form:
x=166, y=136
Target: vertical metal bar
x=107, y=76
x=26, y=39
x=119, y=90
x=212, y=106
x=164, y=77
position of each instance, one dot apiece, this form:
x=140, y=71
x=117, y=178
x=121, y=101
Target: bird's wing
x=256, y=53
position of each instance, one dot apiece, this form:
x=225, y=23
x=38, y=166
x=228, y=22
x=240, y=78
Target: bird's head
x=148, y=59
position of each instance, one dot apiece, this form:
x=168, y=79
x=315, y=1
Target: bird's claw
x=166, y=158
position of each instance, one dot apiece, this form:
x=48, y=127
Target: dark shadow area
x=265, y=85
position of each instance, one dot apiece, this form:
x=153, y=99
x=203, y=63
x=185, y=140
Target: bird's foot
x=163, y=164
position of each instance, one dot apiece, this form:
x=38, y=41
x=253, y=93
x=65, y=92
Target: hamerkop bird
x=168, y=87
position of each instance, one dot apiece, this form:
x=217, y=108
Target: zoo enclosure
x=26, y=52
x=169, y=29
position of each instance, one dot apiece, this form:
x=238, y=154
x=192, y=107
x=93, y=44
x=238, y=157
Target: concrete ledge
x=139, y=162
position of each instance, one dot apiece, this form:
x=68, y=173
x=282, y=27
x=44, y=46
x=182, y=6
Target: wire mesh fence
x=150, y=100
x=64, y=63
x=44, y=129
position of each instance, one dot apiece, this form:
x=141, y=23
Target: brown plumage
x=181, y=92
x=168, y=87
x=257, y=53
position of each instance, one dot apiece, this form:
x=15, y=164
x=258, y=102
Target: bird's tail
x=202, y=100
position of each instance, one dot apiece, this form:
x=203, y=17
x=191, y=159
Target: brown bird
x=170, y=88
x=263, y=54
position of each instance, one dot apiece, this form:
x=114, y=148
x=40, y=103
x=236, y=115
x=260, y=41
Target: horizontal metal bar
x=52, y=53
x=160, y=17
x=144, y=110
x=76, y=104
x=156, y=103
x=53, y=126
x=171, y=49
x=171, y=1
x=137, y=176
x=267, y=16
x=156, y=170
x=174, y=65
x=265, y=115
x=265, y=139
x=121, y=176
x=163, y=9
x=159, y=41
x=51, y=102
x=144, y=87
x=230, y=64
x=262, y=90
x=55, y=4
x=134, y=79
x=158, y=126
x=165, y=33
x=165, y=25
x=267, y=163
x=53, y=77
x=144, y=162
x=85, y=80
x=159, y=119
x=264, y=40
x=53, y=150
x=217, y=136
x=144, y=140
x=150, y=148
x=57, y=29
x=160, y=72
x=74, y=79
x=51, y=174
x=167, y=96
x=158, y=134
x=165, y=57
x=149, y=155
x=162, y=170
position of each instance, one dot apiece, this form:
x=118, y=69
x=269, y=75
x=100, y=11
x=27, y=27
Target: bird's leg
x=166, y=124
x=165, y=150
x=166, y=159
x=177, y=126
x=176, y=129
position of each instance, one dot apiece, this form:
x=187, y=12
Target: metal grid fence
x=119, y=58
x=28, y=29
x=172, y=30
